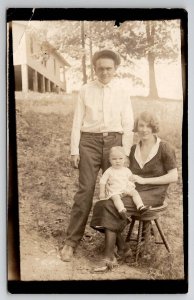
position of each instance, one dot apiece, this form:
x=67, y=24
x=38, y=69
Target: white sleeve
x=105, y=176
x=127, y=124
x=129, y=172
x=77, y=123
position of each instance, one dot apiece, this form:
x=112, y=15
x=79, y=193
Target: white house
x=38, y=66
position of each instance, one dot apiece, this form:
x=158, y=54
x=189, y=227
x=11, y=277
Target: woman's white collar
x=152, y=153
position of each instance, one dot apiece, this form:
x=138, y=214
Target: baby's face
x=117, y=160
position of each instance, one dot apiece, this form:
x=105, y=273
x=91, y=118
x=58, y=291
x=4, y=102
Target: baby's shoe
x=123, y=214
x=142, y=209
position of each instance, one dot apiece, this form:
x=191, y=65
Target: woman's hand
x=127, y=162
x=131, y=178
x=139, y=179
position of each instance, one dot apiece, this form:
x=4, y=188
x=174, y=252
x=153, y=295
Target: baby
x=116, y=183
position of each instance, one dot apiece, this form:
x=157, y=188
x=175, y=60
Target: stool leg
x=162, y=235
x=153, y=232
x=146, y=229
x=130, y=230
x=139, y=237
x=146, y=235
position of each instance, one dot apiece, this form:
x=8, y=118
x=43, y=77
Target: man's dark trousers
x=94, y=154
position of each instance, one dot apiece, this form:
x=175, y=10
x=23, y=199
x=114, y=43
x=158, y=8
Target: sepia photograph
x=96, y=112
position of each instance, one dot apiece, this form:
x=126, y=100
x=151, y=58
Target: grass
x=47, y=182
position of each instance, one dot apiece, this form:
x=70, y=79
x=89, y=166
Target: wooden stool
x=147, y=218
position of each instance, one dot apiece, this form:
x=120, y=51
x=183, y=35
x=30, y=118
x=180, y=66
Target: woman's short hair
x=150, y=119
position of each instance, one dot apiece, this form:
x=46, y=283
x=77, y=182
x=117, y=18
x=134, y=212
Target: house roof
x=54, y=50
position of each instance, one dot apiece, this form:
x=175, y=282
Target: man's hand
x=75, y=161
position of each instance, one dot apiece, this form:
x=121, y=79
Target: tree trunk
x=91, y=65
x=84, y=54
x=150, y=30
x=153, y=92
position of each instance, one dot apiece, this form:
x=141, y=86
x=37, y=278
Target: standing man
x=103, y=118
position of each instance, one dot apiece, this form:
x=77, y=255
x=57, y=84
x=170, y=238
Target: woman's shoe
x=107, y=265
x=123, y=254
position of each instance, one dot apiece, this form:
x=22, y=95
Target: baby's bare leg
x=136, y=198
x=138, y=202
x=118, y=203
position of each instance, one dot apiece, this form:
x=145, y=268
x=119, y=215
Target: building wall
x=47, y=69
x=27, y=50
x=19, y=44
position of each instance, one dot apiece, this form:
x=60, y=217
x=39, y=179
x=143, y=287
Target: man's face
x=105, y=69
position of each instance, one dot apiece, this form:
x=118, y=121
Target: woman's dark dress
x=105, y=214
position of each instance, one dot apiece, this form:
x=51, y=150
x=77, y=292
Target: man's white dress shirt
x=103, y=108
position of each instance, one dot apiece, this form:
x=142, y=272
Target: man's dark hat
x=108, y=54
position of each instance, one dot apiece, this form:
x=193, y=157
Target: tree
x=154, y=40
x=84, y=54
x=160, y=46
x=150, y=31
x=91, y=51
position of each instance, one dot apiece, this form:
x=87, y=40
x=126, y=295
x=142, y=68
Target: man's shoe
x=67, y=253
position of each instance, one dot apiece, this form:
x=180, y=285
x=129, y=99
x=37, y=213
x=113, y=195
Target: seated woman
x=153, y=163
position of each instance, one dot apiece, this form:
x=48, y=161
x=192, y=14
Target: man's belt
x=104, y=134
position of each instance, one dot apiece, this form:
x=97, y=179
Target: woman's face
x=144, y=130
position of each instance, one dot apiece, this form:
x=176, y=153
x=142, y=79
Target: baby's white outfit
x=117, y=181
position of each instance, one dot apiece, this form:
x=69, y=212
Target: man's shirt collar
x=110, y=84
